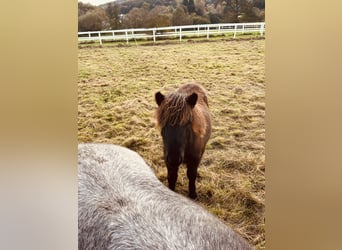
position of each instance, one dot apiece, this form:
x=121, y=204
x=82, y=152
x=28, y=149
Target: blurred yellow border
x=303, y=113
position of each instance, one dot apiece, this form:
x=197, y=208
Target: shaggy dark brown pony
x=184, y=120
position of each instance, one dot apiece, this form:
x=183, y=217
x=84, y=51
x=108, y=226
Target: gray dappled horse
x=122, y=205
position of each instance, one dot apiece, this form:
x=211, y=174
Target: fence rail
x=179, y=32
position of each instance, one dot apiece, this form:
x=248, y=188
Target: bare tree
x=93, y=20
x=180, y=17
x=135, y=18
x=160, y=16
x=113, y=13
x=83, y=8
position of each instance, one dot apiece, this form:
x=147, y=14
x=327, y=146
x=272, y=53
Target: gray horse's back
x=122, y=205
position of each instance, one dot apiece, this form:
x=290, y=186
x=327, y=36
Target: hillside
x=127, y=5
x=124, y=14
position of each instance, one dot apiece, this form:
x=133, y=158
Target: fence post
x=154, y=35
x=180, y=34
x=262, y=27
x=235, y=30
x=126, y=36
x=208, y=32
x=100, y=38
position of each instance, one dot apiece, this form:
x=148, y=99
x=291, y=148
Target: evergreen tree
x=191, y=6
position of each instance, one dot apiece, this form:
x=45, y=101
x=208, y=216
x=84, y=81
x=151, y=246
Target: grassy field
x=116, y=88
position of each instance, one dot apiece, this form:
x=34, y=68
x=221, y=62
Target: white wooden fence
x=173, y=32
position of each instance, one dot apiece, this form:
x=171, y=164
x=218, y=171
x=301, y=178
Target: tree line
x=160, y=13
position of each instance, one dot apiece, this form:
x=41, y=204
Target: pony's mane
x=174, y=110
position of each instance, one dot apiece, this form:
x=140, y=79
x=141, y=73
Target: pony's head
x=174, y=117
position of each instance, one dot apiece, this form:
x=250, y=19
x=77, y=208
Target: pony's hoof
x=193, y=195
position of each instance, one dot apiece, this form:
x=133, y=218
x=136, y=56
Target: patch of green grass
x=171, y=40
x=116, y=105
x=82, y=74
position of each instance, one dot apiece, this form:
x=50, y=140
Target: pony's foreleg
x=172, y=174
x=192, y=174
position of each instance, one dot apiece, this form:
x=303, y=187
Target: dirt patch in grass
x=116, y=105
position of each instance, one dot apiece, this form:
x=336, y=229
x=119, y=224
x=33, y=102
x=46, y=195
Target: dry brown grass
x=116, y=90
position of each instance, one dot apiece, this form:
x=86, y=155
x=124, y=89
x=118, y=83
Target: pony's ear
x=159, y=98
x=192, y=99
